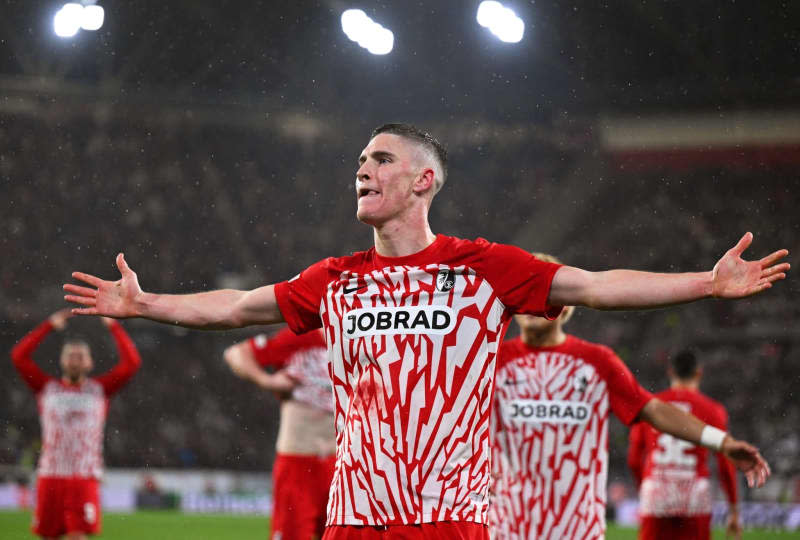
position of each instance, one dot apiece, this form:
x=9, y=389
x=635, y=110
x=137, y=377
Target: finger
x=77, y=289
x=85, y=311
x=772, y=257
x=778, y=268
x=84, y=300
x=749, y=476
x=743, y=244
x=88, y=278
x=122, y=264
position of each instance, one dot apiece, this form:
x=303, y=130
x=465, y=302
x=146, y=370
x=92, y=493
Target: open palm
x=733, y=277
x=116, y=299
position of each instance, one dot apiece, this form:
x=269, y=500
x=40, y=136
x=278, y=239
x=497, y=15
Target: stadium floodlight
x=73, y=16
x=370, y=35
x=67, y=21
x=93, y=16
x=501, y=21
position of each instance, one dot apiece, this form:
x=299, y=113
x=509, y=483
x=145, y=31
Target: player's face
x=386, y=173
x=76, y=360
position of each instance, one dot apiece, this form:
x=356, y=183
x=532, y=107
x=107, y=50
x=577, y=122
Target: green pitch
x=176, y=526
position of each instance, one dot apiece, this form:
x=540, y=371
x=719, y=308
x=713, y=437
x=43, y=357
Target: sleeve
x=22, y=356
x=277, y=351
x=521, y=280
x=128, y=365
x=299, y=298
x=727, y=472
x=636, y=447
x=273, y=351
x=627, y=397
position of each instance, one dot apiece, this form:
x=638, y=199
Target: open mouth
x=366, y=192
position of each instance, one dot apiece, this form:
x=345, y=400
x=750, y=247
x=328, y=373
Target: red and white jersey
x=673, y=474
x=550, y=452
x=73, y=416
x=305, y=359
x=412, y=343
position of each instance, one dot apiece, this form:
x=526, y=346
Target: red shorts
x=300, y=495
x=66, y=505
x=675, y=528
x=440, y=530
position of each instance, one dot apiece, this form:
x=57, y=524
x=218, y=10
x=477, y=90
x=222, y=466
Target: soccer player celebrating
x=306, y=444
x=553, y=396
x=72, y=412
x=675, y=493
x=412, y=327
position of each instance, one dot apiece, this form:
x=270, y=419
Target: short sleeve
x=521, y=280
x=299, y=298
x=627, y=397
x=276, y=351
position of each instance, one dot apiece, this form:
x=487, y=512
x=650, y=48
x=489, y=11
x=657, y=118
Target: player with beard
x=72, y=413
x=675, y=492
x=412, y=356
x=553, y=397
x=306, y=444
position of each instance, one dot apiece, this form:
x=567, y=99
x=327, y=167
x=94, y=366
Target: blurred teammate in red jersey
x=72, y=413
x=674, y=489
x=306, y=446
x=412, y=327
x=553, y=396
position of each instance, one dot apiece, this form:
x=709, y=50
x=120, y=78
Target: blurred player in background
x=72, y=413
x=675, y=497
x=553, y=396
x=306, y=446
x=412, y=326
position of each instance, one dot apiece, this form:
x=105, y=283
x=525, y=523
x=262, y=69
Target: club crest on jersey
x=399, y=320
x=581, y=380
x=445, y=280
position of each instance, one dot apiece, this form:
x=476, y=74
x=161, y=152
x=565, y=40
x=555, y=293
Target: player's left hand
x=747, y=459
x=733, y=277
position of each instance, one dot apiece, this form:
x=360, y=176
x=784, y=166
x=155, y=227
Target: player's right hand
x=747, y=459
x=59, y=318
x=116, y=299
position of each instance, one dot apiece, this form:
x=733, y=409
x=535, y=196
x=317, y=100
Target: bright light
x=67, y=21
x=73, y=16
x=502, y=21
x=92, y=18
x=372, y=36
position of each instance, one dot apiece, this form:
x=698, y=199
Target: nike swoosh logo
x=348, y=290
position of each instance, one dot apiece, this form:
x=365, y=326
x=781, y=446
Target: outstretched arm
x=214, y=310
x=243, y=363
x=732, y=277
x=669, y=419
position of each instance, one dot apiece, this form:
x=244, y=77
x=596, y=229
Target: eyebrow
x=377, y=154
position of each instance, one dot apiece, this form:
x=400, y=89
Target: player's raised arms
x=219, y=309
x=731, y=277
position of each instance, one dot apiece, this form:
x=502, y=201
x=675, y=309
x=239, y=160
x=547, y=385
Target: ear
x=424, y=181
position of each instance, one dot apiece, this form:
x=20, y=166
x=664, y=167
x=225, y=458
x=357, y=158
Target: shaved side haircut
x=424, y=139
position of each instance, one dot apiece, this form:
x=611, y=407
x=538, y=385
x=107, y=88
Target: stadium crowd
x=192, y=214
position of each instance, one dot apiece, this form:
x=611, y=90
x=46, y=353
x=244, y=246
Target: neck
x=549, y=337
x=401, y=237
x=678, y=384
x=74, y=381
